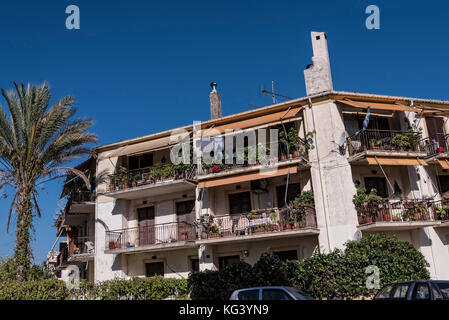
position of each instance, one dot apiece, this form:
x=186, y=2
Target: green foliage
x=154, y=288
x=305, y=198
x=34, y=290
x=339, y=274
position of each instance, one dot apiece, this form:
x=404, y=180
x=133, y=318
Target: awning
x=444, y=164
x=248, y=177
x=253, y=122
x=146, y=146
x=396, y=161
x=377, y=105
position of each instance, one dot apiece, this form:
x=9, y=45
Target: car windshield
x=444, y=288
x=299, y=294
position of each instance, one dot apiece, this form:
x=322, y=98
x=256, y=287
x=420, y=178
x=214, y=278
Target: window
x=444, y=288
x=421, y=291
x=275, y=294
x=154, y=269
x=287, y=255
x=377, y=183
x=249, y=294
x=375, y=123
x=436, y=293
x=194, y=264
x=294, y=189
x=140, y=161
x=240, y=202
x=227, y=261
x=185, y=207
x=400, y=291
x=385, y=292
x=443, y=182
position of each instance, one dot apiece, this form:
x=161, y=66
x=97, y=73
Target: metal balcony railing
x=396, y=210
x=81, y=245
x=82, y=196
x=150, y=235
x=389, y=140
x=150, y=175
x=249, y=157
x=436, y=144
x=256, y=222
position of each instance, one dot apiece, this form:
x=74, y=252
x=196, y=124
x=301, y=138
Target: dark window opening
x=195, y=265
x=240, y=202
x=140, y=161
x=154, y=269
x=377, y=183
x=443, y=183
x=227, y=261
x=287, y=255
x=375, y=123
x=293, y=191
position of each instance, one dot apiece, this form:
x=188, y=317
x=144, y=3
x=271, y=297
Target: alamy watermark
x=73, y=20
x=373, y=20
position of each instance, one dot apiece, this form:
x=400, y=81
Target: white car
x=270, y=293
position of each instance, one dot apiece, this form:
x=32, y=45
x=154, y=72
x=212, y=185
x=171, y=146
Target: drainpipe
x=321, y=179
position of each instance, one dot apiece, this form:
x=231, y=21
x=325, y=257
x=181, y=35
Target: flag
x=366, y=121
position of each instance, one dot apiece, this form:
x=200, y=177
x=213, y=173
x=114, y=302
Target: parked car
x=270, y=293
x=415, y=290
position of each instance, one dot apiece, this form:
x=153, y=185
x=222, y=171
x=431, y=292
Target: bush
x=154, y=288
x=336, y=275
x=34, y=290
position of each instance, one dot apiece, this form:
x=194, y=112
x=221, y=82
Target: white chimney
x=215, y=102
x=318, y=76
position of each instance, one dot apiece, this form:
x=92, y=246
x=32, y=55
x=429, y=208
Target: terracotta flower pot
x=296, y=154
x=386, y=217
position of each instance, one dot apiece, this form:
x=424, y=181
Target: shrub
x=34, y=290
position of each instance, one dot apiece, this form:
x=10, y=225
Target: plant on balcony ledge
x=122, y=178
x=214, y=231
x=442, y=213
x=368, y=206
x=415, y=211
x=401, y=141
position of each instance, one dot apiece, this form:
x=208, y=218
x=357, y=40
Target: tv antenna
x=273, y=94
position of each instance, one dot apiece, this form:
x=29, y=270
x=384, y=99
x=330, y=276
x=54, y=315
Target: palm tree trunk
x=22, y=251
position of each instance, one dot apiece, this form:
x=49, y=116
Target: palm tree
x=35, y=141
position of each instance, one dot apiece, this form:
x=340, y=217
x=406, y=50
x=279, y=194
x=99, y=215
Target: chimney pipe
x=215, y=102
x=318, y=76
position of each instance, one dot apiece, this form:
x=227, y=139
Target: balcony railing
x=81, y=245
x=150, y=235
x=257, y=222
x=436, y=144
x=82, y=196
x=150, y=175
x=296, y=152
x=388, y=140
x=441, y=210
x=396, y=210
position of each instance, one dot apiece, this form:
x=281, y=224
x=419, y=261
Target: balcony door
x=378, y=183
x=147, y=234
x=185, y=214
x=435, y=128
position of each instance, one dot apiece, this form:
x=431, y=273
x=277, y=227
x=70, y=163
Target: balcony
x=156, y=180
x=249, y=161
x=403, y=143
x=151, y=238
x=81, y=249
x=395, y=215
x=437, y=146
x=82, y=202
x=257, y=225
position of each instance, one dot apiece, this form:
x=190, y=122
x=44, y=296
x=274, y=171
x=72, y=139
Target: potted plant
x=112, y=183
x=214, y=231
x=442, y=213
x=401, y=141
x=372, y=143
x=184, y=235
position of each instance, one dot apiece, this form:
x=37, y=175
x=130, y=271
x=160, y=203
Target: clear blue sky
x=138, y=67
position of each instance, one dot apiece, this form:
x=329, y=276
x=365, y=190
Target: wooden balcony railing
x=388, y=140
x=396, y=210
x=150, y=175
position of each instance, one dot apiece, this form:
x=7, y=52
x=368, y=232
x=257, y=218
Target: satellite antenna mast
x=272, y=91
x=273, y=94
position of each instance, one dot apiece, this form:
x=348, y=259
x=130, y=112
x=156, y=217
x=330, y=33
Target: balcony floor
x=154, y=247
x=302, y=232
x=443, y=224
x=396, y=225
x=153, y=189
x=359, y=157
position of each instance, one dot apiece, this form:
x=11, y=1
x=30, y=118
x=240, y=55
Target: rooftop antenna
x=273, y=94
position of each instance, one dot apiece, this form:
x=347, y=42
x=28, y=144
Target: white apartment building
x=153, y=217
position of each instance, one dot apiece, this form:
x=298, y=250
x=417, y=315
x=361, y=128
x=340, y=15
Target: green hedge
x=337, y=275
x=155, y=288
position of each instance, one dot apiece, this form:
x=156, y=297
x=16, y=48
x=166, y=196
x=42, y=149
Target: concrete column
x=331, y=176
x=206, y=257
